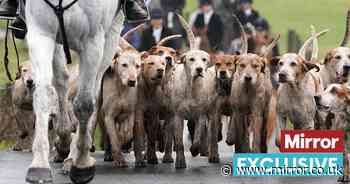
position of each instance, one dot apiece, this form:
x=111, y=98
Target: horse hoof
x=39, y=176
x=194, y=149
x=82, y=175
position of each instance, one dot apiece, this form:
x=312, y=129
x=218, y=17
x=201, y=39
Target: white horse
x=93, y=30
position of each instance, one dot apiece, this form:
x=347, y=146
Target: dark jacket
x=215, y=29
x=245, y=19
x=172, y=5
x=148, y=41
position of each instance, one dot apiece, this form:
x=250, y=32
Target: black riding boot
x=135, y=11
x=8, y=8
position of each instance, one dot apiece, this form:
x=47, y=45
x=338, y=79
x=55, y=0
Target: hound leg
x=199, y=130
x=45, y=103
x=151, y=122
x=83, y=169
x=62, y=125
x=179, y=145
x=214, y=122
x=281, y=125
x=257, y=130
x=231, y=130
x=112, y=128
x=139, y=134
x=169, y=137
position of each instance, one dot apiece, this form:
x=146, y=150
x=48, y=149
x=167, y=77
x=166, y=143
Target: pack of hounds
x=146, y=96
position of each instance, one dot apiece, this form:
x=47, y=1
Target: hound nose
x=131, y=83
x=30, y=83
x=317, y=99
x=282, y=76
x=248, y=78
x=160, y=70
x=222, y=74
x=199, y=70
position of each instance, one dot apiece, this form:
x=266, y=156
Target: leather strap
x=59, y=11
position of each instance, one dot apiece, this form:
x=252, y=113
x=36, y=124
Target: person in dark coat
x=156, y=32
x=208, y=24
x=246, y=13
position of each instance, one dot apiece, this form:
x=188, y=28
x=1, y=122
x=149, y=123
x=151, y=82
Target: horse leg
x=83, y=168
x=45, y=103
x=63, y=126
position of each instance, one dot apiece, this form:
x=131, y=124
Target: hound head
x=128, y=66
x=167, y=53
x=196, y=62
x=250, y=69
x=154, y=69
x=224, y=66
x=334, y=105
x=292, y=67
x=336, y=96
x=25, y=74
x=337, y=62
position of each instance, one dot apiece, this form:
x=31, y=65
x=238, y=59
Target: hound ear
x=309, y=66
x=328, y=57
x=263, y=66
x=182, y=59
x=275, y=60
x=144, y=55
x=19, y=73
x=152, y=50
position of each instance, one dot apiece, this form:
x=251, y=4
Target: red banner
x=312, y=141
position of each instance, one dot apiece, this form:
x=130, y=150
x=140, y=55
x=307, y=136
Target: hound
x=250, y=100
x=189, y=93
x=332, y=70
x=335, y=101
x=298, y=86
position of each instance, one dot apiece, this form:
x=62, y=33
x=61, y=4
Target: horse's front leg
x=83, y=168
x=45, y=103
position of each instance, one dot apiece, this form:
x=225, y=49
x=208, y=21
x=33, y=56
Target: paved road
x=13, y=167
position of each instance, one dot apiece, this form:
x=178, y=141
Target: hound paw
x=120, y=163
x=180, y=164
x=82, y=175
x=140, y=164
x=214, y=159
x=168, y=159
x=39, y=175
x=344, y=179
x=108, y=157
x=152, y=161
x=194, y=149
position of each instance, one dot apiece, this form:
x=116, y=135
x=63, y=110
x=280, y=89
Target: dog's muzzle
x=223, y=75
x=346, y=70
x=282, y=77
x=30, y=84
x=131, y=83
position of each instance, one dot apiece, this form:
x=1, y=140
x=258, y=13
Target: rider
x=135, y=11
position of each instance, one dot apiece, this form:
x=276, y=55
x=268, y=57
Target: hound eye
x=229, y=64
x=293, y=64
x=242, y=65
x=24, y=70
x=137, y=66
x=173, y=53
x=204, y=59
x=338, y=57
x=217, y=64
x=160, y=53
x=192, y=59
x=125, y=65
x=255, y=66
x=151, y=63
x=280, y=63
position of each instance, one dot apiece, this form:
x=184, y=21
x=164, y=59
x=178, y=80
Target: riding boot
x=136, y=11
x=8, y=8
